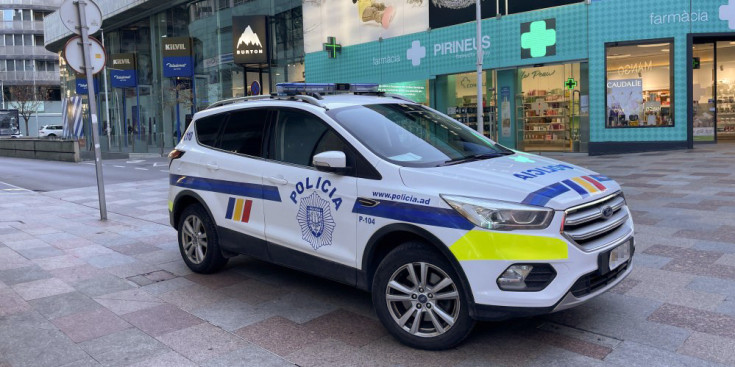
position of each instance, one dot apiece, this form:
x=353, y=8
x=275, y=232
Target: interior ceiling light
x=654, y=45
x=617, y=56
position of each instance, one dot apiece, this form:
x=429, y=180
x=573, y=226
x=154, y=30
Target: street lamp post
x=478, y=47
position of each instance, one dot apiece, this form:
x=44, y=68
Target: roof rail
x=299, y=97
x=236, y=99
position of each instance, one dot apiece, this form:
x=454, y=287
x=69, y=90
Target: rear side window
x=207, y=129
x=244, y=132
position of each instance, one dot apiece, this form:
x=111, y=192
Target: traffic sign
x=70, y=16
x=74, y=55
x=255, y=88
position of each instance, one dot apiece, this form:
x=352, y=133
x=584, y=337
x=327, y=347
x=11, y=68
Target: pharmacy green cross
x=538, y=38
x=570, y=83
x=332, y=47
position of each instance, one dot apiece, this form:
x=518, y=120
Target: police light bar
x=290, y=89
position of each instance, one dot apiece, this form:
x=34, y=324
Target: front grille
x=594, y=281
x=588, y=227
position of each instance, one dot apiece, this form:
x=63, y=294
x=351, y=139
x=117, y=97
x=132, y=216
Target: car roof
x=328, y=102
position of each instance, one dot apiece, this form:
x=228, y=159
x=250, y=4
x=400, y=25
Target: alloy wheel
x=194, y=239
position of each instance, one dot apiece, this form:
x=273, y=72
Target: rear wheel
x=51, y=135
x=198, y=241
x=420, y=299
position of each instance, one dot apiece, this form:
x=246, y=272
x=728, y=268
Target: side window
x=207, y=129
x=244, y=132
x=296, y=137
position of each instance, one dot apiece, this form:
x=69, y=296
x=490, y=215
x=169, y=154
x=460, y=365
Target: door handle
x=278, y=180
x=367, y=202
x=213, y=166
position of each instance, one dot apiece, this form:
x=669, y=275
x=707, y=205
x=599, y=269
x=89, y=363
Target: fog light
x=526, y=277
x=514, y=278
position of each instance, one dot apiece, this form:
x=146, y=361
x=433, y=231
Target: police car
x=442, y=225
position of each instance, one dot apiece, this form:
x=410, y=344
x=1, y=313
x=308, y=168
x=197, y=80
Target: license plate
x=619, y=255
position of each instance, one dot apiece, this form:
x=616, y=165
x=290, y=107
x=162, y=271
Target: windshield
x=413, y=135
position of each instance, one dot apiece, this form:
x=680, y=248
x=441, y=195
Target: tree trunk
x=28, y=133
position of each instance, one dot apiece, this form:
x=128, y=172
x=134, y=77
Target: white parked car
x=441, y=224
x=50, y=131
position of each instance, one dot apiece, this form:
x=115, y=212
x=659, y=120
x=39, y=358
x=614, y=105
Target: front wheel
x=420, y=299
x=198, y=241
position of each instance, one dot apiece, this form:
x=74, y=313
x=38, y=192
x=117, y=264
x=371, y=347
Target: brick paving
x=75, y=291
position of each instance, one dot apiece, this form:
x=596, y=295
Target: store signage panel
x=177, y=57
x=361, y=21
x=81, y=85
x=249, y=39
x=624, y=102
x=538, y=38
x=404, y=58
x=123, y=71
x=414, y=90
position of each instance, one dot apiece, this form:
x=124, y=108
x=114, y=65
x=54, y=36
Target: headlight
x=500, y=215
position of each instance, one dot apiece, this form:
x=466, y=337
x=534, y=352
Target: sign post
x=88, y=18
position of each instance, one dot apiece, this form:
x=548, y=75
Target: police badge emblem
x=315, y=219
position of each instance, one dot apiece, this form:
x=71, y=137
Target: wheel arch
x=391, y=236
x=184, y=199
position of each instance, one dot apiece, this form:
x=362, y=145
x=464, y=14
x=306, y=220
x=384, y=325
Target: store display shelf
x=547, y=131
x=557, y=141
x=535, y=117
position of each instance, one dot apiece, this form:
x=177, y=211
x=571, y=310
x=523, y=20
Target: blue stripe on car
x=542, y=196
x=226, y=187
x=418, y=214
x=579, y=189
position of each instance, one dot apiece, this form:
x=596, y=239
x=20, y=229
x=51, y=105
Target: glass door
x=725, y=98
x=703, y=92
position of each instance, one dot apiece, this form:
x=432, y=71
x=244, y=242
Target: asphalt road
x=38, y=175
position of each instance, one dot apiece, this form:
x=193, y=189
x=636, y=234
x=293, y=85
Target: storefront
x=147, y=101
x=598, y=77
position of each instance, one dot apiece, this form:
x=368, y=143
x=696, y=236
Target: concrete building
x=25, y=62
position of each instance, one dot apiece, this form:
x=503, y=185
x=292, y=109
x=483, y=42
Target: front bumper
x=482, y=312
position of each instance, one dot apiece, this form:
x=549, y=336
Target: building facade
x=148, y=112
x=603, y=76
x=26, y=65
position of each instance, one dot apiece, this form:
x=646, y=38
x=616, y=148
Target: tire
x=51, y=135
x=443, y=323
x=198, y=241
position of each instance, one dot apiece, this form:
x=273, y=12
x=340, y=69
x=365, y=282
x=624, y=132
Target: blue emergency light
x=290, y=89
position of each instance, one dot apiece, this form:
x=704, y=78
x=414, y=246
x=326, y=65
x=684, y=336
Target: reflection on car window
x=413, y=135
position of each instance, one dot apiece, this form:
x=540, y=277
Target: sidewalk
x=75, y=291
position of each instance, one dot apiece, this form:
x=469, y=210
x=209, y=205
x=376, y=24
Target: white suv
x=50, y=131
x=441, y=224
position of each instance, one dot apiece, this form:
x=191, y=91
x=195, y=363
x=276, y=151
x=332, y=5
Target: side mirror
x=331, y=161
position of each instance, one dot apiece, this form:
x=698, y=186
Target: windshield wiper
x=475, y=157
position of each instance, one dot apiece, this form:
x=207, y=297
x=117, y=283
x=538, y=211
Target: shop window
x=639, y=84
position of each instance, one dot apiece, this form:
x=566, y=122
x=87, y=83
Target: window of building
x=27, y=14
x=244, y=132
x=28, y=40
x=2, y=65
x=17, y=15
x=11, y=65
x=38, y=15
x=8, y=40
x=18, y=39
x=28, y=65
x=7, y=15
x=38, y=39
x=639, y=82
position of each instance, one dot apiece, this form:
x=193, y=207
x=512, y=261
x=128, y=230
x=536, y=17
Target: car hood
x=519, y=178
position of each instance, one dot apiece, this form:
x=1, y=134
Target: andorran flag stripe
x=594, y=182
x=246, y=211
x=230, y=208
